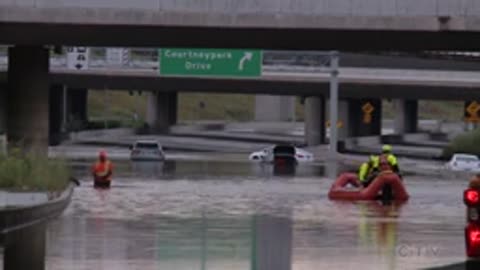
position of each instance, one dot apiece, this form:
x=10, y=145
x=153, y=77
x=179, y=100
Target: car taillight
x=300, y=156
x=471, y=197
x=472, y=237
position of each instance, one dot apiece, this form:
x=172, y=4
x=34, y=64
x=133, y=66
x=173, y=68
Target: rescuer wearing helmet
x=102, y=171
x=368, y=170
x=387, y=160
x=475, y=181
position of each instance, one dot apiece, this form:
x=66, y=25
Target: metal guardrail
x=17, y=218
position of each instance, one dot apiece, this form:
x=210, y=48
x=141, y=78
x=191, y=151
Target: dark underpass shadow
x=467, y=265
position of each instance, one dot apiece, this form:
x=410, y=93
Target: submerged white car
x=267, y=154
x=464, y=162
x=148, y=150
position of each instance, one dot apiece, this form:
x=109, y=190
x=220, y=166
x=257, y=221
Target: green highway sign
x=210, y=62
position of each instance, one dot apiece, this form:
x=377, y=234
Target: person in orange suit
x=102, y=171
x=475, y=181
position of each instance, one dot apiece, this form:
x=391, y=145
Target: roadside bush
x=32, y=172
x=468, y=143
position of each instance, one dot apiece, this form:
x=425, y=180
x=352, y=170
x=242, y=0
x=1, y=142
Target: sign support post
x=333, y=104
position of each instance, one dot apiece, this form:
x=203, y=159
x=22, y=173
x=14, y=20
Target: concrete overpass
x=286, y=24
x=354, y=83
x=365, y=84
x=352, y=25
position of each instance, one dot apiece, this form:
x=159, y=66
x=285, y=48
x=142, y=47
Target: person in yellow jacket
x=388, y=159
x=368, y=170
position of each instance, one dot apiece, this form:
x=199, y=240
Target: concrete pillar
x=343, y=118
x=77, y=103
x=28, y=96
x=273, y=243
x=314, y=120
x=274, y=108
x=56, y=114
x=3, y=109
x=161, y=111
x=364, y=117
x=406, y=116
x=25, y=248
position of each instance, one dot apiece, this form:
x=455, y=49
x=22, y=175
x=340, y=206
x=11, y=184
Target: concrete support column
x=364, y=117
x=25, y=248
x=56, y=114
x=315, y=120
x=77, y=103
x=343, y=119
x=3, y=109
x=28, y=97
x=161, y=111
x=274, y=108
x=406, y=116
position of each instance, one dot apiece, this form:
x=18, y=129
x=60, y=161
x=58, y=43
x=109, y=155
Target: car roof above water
x=147, y=142
x=468, y=156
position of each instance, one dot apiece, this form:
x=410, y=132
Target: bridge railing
x=273, y=61
x=147, y=59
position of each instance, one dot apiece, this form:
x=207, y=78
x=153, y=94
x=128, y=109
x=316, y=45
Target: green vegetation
x=33, y=172
x=466, y=143
x=428, y=109
x=191, y=106
x=227, y=107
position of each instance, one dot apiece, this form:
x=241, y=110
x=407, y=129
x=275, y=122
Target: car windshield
x=467, y=158
x=284, y=150
x=147, y=145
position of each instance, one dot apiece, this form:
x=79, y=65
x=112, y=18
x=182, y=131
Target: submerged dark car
x=284, y=155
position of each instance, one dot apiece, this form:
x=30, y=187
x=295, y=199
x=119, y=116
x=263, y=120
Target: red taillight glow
x=472, y=235
x=471, y=197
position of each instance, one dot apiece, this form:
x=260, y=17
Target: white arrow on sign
x=247, y=56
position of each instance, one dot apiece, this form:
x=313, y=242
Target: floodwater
x=190, y=215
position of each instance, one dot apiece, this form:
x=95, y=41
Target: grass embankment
x=191, y=106
x=231, y=107
x=32, y=172
x=468, y=143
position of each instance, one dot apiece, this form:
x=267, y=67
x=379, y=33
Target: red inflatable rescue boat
x=386, y=186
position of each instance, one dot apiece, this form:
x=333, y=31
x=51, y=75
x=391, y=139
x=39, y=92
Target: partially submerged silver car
x=148, y=150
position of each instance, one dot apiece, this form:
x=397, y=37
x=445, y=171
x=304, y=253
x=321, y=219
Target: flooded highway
x=237, y=215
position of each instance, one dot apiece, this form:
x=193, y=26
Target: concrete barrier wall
x=317, y=7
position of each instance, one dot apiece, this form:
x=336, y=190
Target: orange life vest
x=103, y=170
x=384, y=164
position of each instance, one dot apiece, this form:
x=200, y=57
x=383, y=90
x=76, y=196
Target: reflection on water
x=204, y=169
x=249, y=216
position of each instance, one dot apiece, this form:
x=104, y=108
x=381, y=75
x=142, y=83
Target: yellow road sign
x=367, y=118
x=472, y=112
x=339, y=124
x=367, y=109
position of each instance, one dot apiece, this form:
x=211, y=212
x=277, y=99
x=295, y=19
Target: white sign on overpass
x=77, y=58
